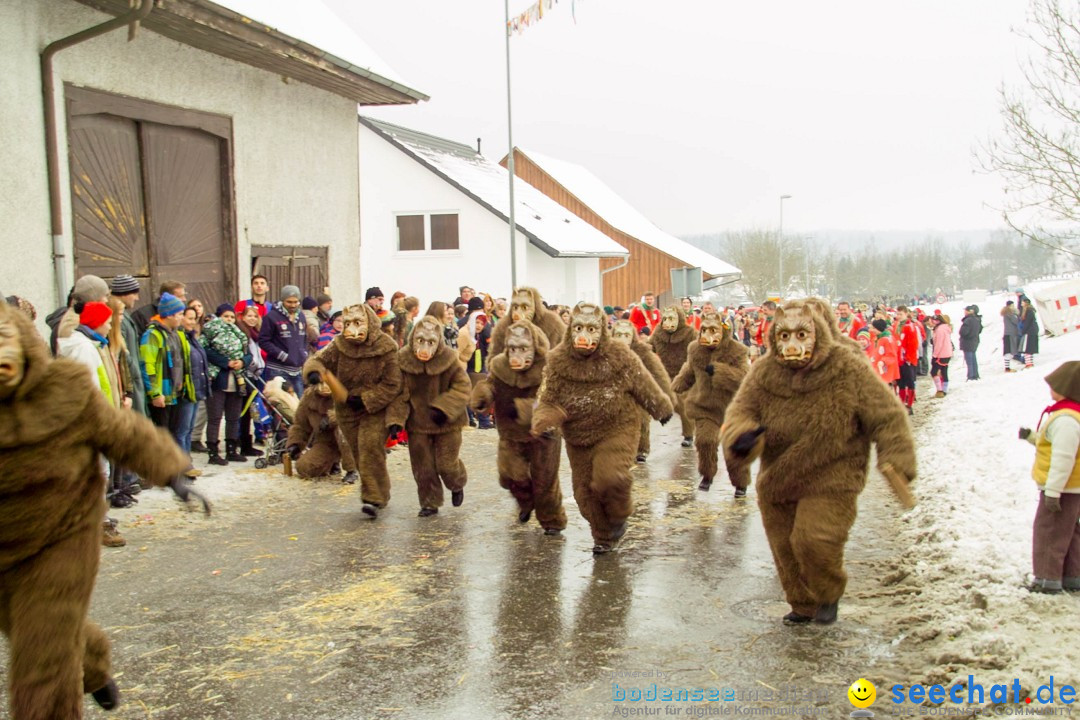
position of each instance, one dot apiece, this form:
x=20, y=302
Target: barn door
x=107, y=198
x=185, y=213
x=304, y=266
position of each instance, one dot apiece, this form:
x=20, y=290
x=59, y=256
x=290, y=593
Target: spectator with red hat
x=89, y=345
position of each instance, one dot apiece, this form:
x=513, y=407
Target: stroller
x=272, y=419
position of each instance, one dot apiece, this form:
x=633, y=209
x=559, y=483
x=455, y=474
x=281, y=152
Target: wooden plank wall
x=648, y=268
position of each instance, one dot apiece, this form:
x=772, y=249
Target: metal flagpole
x=510, y=160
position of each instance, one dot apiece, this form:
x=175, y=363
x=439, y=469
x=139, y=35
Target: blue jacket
x=284, y=340
x=200, y=377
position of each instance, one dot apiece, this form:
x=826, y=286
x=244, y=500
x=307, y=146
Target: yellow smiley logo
x=862, y=693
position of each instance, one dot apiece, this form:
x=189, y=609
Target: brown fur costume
x=326, y=442
x=652, y=363
x=52, y=428
x=528, y=466
x=441, y=384
x=819, y=421
x=548, y=321
x=672, y=347
x=707, y=397
x=369, y=370
x=593, y=397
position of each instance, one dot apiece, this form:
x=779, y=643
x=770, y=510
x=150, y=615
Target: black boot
x=215, y=456
x=107, y=697
x=524, y=516
x=740, y=492
x=705, y=483
x=794, y=618
x=350, y=478
x=457, y=497
x=232, y=452
x=246, y=448
x=640, y=458
x=826, y=614
x=687, y=441
x=370, y=510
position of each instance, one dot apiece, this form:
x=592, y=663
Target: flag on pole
x=534, y=14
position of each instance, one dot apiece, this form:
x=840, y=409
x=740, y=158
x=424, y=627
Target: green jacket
x=157, y=363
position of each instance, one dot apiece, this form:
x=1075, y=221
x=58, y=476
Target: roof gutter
x=52, y=142
x=613, y=268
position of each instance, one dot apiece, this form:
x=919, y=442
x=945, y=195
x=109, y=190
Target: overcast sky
x=702, y=113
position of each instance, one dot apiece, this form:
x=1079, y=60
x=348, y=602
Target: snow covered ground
x=962, y=606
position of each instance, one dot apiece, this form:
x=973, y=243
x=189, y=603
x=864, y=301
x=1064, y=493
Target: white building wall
x=393, y=183
x=295, y=175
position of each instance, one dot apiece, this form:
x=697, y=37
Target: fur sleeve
x=301, y=428
x=483, y=395
x=659, y=374
x=647, y=393
x=454, y=399
x=880, y=412
x=742, y=415
x=684, y=380
x=389, y=386
x=132, y=441
x=546, y=416
x=728, y=377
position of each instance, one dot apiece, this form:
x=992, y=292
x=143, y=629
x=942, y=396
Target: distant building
x=653, y=252
x=220, y=139
x=435, y=216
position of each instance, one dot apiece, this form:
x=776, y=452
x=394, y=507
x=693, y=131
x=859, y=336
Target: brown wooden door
x=107, y=198
x=305, y=267
x=185, y=214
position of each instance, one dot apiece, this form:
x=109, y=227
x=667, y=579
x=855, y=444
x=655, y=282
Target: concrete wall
x=294, y=146
x=393, y=183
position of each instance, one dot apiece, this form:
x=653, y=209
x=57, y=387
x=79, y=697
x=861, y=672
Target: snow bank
x=969, y=539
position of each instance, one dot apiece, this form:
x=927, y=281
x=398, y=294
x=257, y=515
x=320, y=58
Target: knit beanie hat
x=223, y=308
x=308, y=303
x=90, y=288
x=94, y=315
x=385, y=316
x=372, y=292
x=290, y=291
x=880, y=325
x=124, y=285
x=169, y=305
x=1066, y=380
x=475, y=304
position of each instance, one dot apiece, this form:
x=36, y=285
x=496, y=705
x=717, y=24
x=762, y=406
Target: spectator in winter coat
x=146, y=313
x=908, y=339
x=1011, y=338
x=970, y=329
x=1029, y=332
x=847, y=321
x=1056, y=543
x=329, y=330
x=310, y=308
x=941, y=354
x=229, y=352
x=63, y=321
x=647, y=314
x=89, y=346
x=885, y=354
x=260, y=297
x=200, y=377
x=126, y=289
x=284, y=338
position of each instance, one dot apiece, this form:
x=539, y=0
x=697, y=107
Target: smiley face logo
x=862, y=693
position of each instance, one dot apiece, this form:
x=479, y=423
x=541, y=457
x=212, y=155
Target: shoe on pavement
x=552, y=531
x=370, y=510
x=705, y=484
x=111, y=537
x=740, y=492
x=794, y=618
x=350, y=478
x=457, y=497
x=640, y=458
x=427, y=512
x=826, y=614
x=687, y=441
x=107, y=697
x=524, y=516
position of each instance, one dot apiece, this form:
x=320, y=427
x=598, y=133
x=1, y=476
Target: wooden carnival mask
x=426, y=339
x=669, y=320
x=520, y=348
x=12, y=360
x=522, y=306
x=794, y=336
x=623, y=332
x=354, y=323
x=713, y=329
x=586, y=328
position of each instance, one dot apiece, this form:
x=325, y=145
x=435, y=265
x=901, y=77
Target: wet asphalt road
x=287, y=603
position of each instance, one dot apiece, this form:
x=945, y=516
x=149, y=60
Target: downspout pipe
x=613, y=268
x=52, y=142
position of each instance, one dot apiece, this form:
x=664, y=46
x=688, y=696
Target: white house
x=435, y=216
x=218, y=140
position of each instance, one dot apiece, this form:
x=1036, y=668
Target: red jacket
x=909, y=342
x=761, y=339
x=645, y=318
x=853, y=326
x=242, y=305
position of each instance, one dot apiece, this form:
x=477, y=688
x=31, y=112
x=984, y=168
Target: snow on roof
x=315, y=24
x=548, y=225
x=602, y=200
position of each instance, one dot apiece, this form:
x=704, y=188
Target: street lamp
x=780, y=245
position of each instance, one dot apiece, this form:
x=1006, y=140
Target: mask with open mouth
x=355, y=325
x=713, y=330
x=586, y=328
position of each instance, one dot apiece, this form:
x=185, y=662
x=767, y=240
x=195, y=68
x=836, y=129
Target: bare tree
x=1038, y=154
x=756, y=253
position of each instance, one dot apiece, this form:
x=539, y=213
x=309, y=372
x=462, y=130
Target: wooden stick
x=899, y=485
x=337, y=390
x=286, y=460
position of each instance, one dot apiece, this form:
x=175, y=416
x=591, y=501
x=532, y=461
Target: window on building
x=437, y=231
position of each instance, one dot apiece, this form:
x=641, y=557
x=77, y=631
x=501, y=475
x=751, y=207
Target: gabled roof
x=548, y=225
x=618, y=213
x=301, y=39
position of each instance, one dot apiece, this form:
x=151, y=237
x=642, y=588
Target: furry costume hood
x=825, y=340
x=39, y=405
x=684, y=334
x=499, y=366
x=376, y=343
x=444, y=357
x=546, y=320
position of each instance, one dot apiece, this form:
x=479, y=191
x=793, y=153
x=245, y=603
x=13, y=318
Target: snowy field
x=967, y=553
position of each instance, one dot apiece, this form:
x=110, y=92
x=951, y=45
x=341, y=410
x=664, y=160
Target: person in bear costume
x=715, y=366
x=365, y=361
x=54, y=426
x=528, y=466
x=526, y=304
x=315, y=442
x=810, y=408
x=623, y=331
x=591, y=391
x=671, y=341
x=431, y=405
